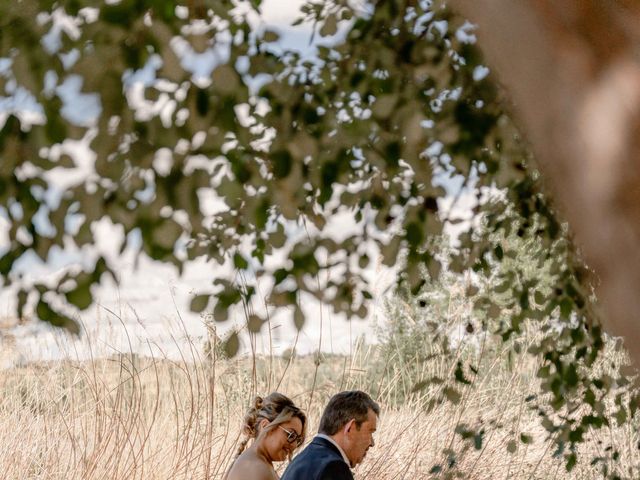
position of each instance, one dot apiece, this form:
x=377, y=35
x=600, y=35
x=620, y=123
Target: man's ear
x=349, y=425
x=263, y=423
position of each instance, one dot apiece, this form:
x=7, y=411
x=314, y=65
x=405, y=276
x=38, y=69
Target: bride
x=277, y=428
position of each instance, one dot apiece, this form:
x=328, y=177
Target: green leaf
x=22, y=301
x=524, y=299
x=120, y=13
x=282, y=163
x=47, y=314
x=621, y=416
x=539, y=297
x=229, y=296
x=526, y=439
x=166, y=234
x=199, y=303
x=452, y=395
x=56, y=128
x=202, y=102
x=502, y=287
x=220, y=313
x=254, y=323
x=571, y=375
x=226, y=80
x=421, y=385
x=80, y=296
x=566, y=307
x=270, y=36
x=577, y=434
x=240, y=262
x=494, y=311
x=433, y=268
x=459, y=375
x=231, y=345
x=262, y=214
x=477, y=440
x=414, y=234
x=330, y=26
x=298, y=318
x=278, y=238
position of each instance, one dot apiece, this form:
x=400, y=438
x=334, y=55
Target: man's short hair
x=345, y=406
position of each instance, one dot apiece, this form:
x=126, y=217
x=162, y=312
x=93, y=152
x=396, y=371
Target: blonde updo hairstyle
x=277, y=409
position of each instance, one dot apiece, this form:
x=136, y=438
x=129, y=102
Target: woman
x=278, y=428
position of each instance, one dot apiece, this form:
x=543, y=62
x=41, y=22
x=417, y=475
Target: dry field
x=131, y=417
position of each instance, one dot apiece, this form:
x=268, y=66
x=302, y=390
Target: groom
x=345, y=435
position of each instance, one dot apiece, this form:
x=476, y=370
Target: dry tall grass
x=132, y=417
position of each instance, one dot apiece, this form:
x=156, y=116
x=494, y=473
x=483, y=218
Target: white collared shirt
x=344, y=455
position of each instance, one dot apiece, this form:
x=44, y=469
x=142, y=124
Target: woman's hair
x=276, y=408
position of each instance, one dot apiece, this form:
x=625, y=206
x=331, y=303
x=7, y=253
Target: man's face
x=359, y=440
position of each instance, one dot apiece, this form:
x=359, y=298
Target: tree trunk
x=572, y=69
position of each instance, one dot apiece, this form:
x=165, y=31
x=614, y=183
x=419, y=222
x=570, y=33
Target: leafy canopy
x=277, y=137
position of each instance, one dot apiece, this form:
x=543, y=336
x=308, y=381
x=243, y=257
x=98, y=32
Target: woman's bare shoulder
x=250, y=466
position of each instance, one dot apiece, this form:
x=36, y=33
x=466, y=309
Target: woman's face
x=277, y=442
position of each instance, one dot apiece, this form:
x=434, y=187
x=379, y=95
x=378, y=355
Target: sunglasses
x=292, y=437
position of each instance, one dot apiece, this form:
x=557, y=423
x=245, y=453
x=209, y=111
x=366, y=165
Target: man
x=344, y=436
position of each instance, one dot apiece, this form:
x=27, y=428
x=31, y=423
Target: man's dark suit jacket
x=321, y=460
